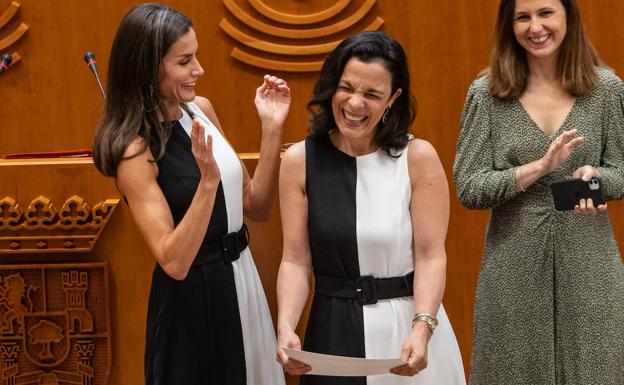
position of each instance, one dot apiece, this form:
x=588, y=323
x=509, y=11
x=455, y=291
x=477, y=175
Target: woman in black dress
x=208, y=320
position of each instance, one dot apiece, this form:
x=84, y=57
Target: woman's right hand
x=560, y=150
x=290, y=340
x=202, y=151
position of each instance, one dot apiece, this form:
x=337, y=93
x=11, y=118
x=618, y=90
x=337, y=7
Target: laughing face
x=180, y=71
x=363, y=93
x=540, y=27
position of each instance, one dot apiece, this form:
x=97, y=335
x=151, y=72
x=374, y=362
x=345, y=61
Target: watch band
x=431, y=321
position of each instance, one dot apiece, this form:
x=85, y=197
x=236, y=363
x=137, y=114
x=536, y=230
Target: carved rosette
x=54, y=324
x=42, y=228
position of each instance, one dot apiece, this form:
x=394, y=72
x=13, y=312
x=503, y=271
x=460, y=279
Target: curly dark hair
x=369, y=46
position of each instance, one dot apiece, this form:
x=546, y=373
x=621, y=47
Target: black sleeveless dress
x=197, y=331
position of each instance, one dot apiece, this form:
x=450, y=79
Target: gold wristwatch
x=431, y=321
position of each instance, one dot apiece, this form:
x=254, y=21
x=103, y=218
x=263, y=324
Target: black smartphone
x=567, y=194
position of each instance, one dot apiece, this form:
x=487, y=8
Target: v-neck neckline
x=537, y=126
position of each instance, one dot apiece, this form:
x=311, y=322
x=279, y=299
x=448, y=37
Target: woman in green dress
x=550, y=297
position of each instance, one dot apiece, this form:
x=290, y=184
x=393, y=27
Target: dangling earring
x=384, y=118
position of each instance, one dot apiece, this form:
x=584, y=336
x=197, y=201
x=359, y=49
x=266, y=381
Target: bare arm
x=173, y=248
x=293, y=279
x=429, y=209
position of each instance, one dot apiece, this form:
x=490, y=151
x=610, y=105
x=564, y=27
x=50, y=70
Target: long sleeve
x=478, y=183
x=612, y=157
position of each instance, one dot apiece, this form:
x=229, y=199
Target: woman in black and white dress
x=365, y=205
x=208, y=321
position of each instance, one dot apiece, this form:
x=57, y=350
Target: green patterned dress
x=550, y=297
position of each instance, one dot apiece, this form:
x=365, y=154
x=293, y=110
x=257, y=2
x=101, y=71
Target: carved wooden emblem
x=328, y=25
x=54, y=324
x=13, y=36
x=42, y=228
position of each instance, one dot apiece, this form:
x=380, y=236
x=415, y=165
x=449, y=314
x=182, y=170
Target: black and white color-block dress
x=213, y=327
x=359, y=224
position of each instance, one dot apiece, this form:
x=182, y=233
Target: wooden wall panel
x=50, y=101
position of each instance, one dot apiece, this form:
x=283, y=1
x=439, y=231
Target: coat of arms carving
x=54, y=324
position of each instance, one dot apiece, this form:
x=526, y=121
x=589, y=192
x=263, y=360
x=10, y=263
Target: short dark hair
x=369, y=46
x=509, y=70
x=133, y=103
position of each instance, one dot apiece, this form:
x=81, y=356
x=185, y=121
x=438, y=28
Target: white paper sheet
x=328, y=365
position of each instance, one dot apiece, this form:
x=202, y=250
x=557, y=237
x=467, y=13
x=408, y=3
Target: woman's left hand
x=586, y=207
x=414, y=351
x=272, y=102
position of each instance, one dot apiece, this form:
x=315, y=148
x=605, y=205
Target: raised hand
x=272, y=102
x=414, y=351
x=560, y=149
x=586, y=207
x=291, y=366
x=202, y=151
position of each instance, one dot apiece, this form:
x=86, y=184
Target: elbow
x=469, y=201
x=259, y=213
x=175, y=270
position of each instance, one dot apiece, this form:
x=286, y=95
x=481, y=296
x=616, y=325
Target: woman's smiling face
x=363, y=94
x=540, y=27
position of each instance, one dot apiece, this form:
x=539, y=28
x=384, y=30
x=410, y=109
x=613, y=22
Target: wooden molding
x=290, y=18
x=16, y=58
x=13, y=36
x=55, y=324
x=250, y=41
x=41, y=228
x=278, y=65
x=8, y=14
x=297, y=49
x=299, y=33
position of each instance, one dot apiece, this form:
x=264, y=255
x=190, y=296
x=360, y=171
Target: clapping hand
x=201, y=146
x=560, y=149
x=586, y=207
x=272, y=102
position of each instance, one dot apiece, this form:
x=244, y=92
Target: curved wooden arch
x=276, y=65
x=301, y=33
x=265, y=46
x=284, y=49
x=13, y=36
x=290, y=18
x=8, y=14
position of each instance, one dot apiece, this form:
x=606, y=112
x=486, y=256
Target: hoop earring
x=384, y=118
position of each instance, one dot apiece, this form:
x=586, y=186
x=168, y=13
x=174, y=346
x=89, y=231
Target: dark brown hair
x=576, y=62
x=368, y=47
x=133, y=103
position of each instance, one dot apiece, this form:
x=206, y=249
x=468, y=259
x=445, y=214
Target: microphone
x=5, y=62
x=89, y=57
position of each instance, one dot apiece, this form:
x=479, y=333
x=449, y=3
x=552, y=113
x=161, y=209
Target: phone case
x=567, y=194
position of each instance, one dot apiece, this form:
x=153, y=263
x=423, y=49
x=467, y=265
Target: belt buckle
x=230, y=249
x=365, y=290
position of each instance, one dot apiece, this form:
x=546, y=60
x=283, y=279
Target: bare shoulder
x=204, y=105
x=136, y=167
x=293, y=168
x=424, y=166
x=421, y=152
x=295, y=154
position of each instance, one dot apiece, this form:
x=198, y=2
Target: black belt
x=227, y=250
x=366, y=289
